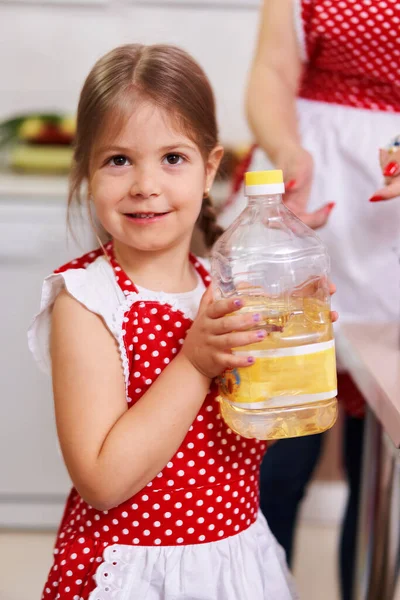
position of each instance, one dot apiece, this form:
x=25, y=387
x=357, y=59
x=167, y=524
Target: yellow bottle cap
x=264, y=182
x=264, y=177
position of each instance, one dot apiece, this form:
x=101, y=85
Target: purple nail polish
x=256, y=318
x=250, y=360
x=238, y=303
x=261, y=334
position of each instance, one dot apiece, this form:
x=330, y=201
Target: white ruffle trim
x=113, y=575
x=96, y=288
x=248, y=566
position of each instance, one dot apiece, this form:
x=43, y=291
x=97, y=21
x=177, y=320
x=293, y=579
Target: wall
x=47, y=48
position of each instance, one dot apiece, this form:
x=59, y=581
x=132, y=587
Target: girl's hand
x=215, y=331
x=332, y=290
x=390, y=165
x=298, y=166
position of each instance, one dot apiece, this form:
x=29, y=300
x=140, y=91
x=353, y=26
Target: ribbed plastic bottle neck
x=265, y=200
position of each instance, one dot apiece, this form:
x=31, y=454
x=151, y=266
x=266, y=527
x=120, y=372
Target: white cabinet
x=33, y=242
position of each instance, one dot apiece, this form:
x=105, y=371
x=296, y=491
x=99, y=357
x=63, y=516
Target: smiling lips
x=145, y=216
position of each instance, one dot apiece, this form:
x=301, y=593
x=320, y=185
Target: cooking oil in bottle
x=279, y=268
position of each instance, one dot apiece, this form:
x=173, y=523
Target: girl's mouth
x=145, y=216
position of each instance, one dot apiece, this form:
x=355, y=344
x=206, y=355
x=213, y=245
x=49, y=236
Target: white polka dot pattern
x=207, y=491
x=353, y=49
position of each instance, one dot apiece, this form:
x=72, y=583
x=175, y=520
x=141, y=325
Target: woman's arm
x=274, y=80
x=271, y=106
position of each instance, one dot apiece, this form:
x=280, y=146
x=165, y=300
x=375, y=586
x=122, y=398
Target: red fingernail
x=290, y=184
x=377, y=198
x=391, y=169
x=330, y=206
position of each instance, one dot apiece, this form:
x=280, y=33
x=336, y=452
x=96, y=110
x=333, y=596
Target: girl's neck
x=169, y=271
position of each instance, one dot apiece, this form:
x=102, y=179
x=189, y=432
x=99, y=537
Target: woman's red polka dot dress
x=207, y=492
x=353, y=53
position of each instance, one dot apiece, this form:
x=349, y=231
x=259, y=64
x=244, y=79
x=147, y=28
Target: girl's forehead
x=145, y=121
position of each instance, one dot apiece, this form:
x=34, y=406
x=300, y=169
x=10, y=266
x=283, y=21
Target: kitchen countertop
x=371, y=352
x=16, y=184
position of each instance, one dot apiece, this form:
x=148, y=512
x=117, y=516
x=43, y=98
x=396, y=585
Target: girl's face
x=148, y=182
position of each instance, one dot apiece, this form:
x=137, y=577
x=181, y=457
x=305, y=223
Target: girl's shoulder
x=82, y=262
x=90, y=280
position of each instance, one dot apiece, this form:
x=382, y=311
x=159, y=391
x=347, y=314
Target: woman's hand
x=215, y=331
x=298, y=166
x=390, y=165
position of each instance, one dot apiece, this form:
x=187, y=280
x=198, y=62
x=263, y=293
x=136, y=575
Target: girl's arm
x=271, y=106
x=111, y=452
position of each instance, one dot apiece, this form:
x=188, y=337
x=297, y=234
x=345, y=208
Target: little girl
x=165, y=496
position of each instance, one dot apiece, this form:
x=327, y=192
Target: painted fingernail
x=290, y=184
x=256, y=318
x=238, y=303
x=330, y=205
x=261, y=334
x=250, y=360
x=391, y=169
x=376, y=198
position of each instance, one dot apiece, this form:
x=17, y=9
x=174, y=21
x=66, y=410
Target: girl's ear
x=213, y=162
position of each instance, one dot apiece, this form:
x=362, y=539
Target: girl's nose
x=145, y=184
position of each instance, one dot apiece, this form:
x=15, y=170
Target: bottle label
x=282, y=377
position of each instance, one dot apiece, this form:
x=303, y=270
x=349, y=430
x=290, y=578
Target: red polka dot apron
x=206, y=493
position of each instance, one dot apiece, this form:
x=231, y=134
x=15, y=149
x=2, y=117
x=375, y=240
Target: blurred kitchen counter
x=36, y=186
x=371, y=352
x=372, y=356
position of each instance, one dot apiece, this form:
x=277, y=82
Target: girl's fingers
x=232, y=323
x=238, y=339
x=232, y=361
x=313, y=287
x=206, y=299
x=219, y=308
x=334, y=316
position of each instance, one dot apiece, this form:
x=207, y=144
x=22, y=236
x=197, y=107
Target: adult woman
x=323, y=97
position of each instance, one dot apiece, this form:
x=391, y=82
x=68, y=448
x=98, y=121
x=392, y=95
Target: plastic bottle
x=279, y=268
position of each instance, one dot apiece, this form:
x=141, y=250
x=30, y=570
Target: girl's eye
x=173, y=159
x=118, y=161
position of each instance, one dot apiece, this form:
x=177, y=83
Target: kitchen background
x=47, y=48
